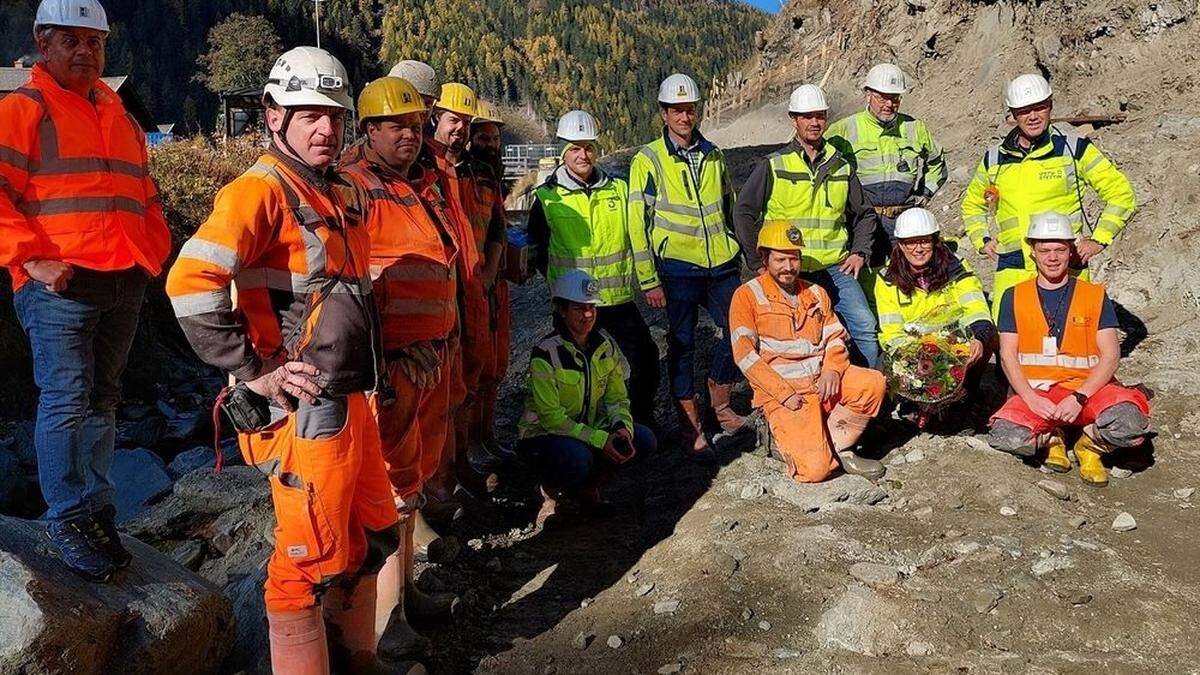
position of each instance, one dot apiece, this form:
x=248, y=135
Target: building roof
x=12, y=79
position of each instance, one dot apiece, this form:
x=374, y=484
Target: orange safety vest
x=453, y=186
x=782, y=348
x=297, y=249
x=413, y=252
x=74, y=182
x=482, y=200
x=1044, y=362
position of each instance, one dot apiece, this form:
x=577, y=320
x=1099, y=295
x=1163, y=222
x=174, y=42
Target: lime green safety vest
x=816, y=204
x=672, y=215
x=958, y=304
x=588, y=232
x=894, y=161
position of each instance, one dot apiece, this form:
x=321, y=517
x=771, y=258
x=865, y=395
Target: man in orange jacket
x=413, y=266
x=792, y=347
x=81, y=230
x=1059, y=348
x=304, y=340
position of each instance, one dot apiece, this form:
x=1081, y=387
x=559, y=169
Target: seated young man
x=792, y=347
x=1059, y=348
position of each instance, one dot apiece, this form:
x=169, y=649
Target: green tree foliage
x=604, y=57
x=240, y=49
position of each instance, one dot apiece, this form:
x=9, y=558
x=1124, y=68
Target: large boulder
x=156, y=617
x=140, y=477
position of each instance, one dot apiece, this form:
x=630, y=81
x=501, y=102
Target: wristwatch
x=1080, y=396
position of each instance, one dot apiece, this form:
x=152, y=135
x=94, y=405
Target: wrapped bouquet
x=928, y=369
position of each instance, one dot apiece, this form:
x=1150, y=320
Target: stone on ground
x=1124, y=522
x=139, y=476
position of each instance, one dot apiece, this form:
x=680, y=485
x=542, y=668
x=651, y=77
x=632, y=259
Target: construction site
x=961, y=559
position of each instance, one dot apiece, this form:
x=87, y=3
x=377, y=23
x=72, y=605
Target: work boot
x=424, y=609
x=350, y=632
x=429, y=546
x=1091, y=469
x=861, y=466
x=76, y=540
x=106, y=519
x=1056, y=453
x=397, y=643
x=691, y=434
x=718, y=398
x=298, y=644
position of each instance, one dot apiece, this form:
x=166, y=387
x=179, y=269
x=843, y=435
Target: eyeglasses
x=917, y=243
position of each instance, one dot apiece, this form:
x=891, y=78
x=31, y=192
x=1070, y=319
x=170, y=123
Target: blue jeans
x=565, y=463
x=80, y=339
x=685, y=296
x=850, y=304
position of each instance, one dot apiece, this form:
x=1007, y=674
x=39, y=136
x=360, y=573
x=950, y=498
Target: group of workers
x=357, y=297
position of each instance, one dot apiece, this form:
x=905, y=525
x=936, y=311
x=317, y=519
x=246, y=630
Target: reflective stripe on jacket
x=576, y=393
x=1078, y=352
x=413, y=251
x=588, y=231
x=814, y=200
x=74, y=182
x=1052, y=177
x=895, y=162
x=675, y=216
x=783, y=343
x=295, y=245
x=959, y=304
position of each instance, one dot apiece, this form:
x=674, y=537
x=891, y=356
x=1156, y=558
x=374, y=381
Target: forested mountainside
x=548, y=54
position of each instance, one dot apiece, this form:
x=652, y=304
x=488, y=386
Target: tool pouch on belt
x=246, y=410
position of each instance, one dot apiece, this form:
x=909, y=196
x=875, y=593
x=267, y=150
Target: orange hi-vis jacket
x=294, y=243
x=454, y=185
x=783, y=343
x=74, y=182
x=1044, y=362
x=483, y=202
x=413, y=250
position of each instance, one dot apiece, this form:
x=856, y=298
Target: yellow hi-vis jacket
x=676, y=215
x=895, y=162
x=814, y=200
x=958, y=304
x=1051, y=177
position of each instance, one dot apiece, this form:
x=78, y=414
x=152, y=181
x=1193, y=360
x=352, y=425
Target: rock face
x=813, y=496
x=157, y=617
x=862, y=621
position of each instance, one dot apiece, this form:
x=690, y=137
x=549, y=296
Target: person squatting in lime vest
x=577, y=429
x=809, y=184
x=897, y=159
x=1059, y=347
x=304, y=343
x=579, y=220
x=680, y=218
x=1039, y=169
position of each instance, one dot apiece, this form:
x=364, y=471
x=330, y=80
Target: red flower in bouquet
x=935, y=390
x=957, y=373
x=930, y=348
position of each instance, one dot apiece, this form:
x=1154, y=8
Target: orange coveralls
x=783, y=343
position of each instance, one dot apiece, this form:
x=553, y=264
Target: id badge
x=1049, y=346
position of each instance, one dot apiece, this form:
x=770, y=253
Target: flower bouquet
x=928, y=369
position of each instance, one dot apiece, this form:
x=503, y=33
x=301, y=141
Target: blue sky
x=771, y=6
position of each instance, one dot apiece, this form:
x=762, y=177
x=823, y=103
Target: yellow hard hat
x=389, y=97
x=486, y=113
x=780, y=235
x=457, y=97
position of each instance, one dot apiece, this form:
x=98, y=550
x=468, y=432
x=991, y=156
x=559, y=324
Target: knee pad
x=380, y=545
x=1122, y=425
x=1012, y=438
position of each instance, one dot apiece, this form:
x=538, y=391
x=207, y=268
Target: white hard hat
x=73, y=14
x=309, y=76
x=916, y=222
x=576, y=286
x=577, y=126
x=807, y=98
x=1050, y=227
x=886, y=78
x=420, y=75
x=1026, y=90
x=678, y=88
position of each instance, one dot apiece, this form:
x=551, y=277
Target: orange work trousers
x=802, y=436
x=327, y=493
x=413, y=428
x=483, y=414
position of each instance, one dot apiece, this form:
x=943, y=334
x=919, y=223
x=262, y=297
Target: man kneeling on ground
x=792, y=348
x=577, y=428
x=1059, y=348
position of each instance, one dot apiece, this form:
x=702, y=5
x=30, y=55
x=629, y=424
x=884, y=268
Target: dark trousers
x=629, y=330
x=81, y=338
x=565, y=463
x=685, y=296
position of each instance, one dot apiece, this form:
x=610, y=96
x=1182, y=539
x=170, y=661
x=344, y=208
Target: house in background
x=14, y=78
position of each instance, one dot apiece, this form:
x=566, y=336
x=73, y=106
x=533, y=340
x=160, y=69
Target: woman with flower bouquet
x=934, y=323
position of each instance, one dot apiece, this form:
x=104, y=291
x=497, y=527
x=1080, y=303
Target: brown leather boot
x=718, y=398
x=691, y=434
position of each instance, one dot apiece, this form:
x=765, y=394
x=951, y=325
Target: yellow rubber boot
x=1091, y=469
x=1056, y=453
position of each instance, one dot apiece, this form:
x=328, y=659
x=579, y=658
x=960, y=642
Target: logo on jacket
x=612, y=203
x=903, y=166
